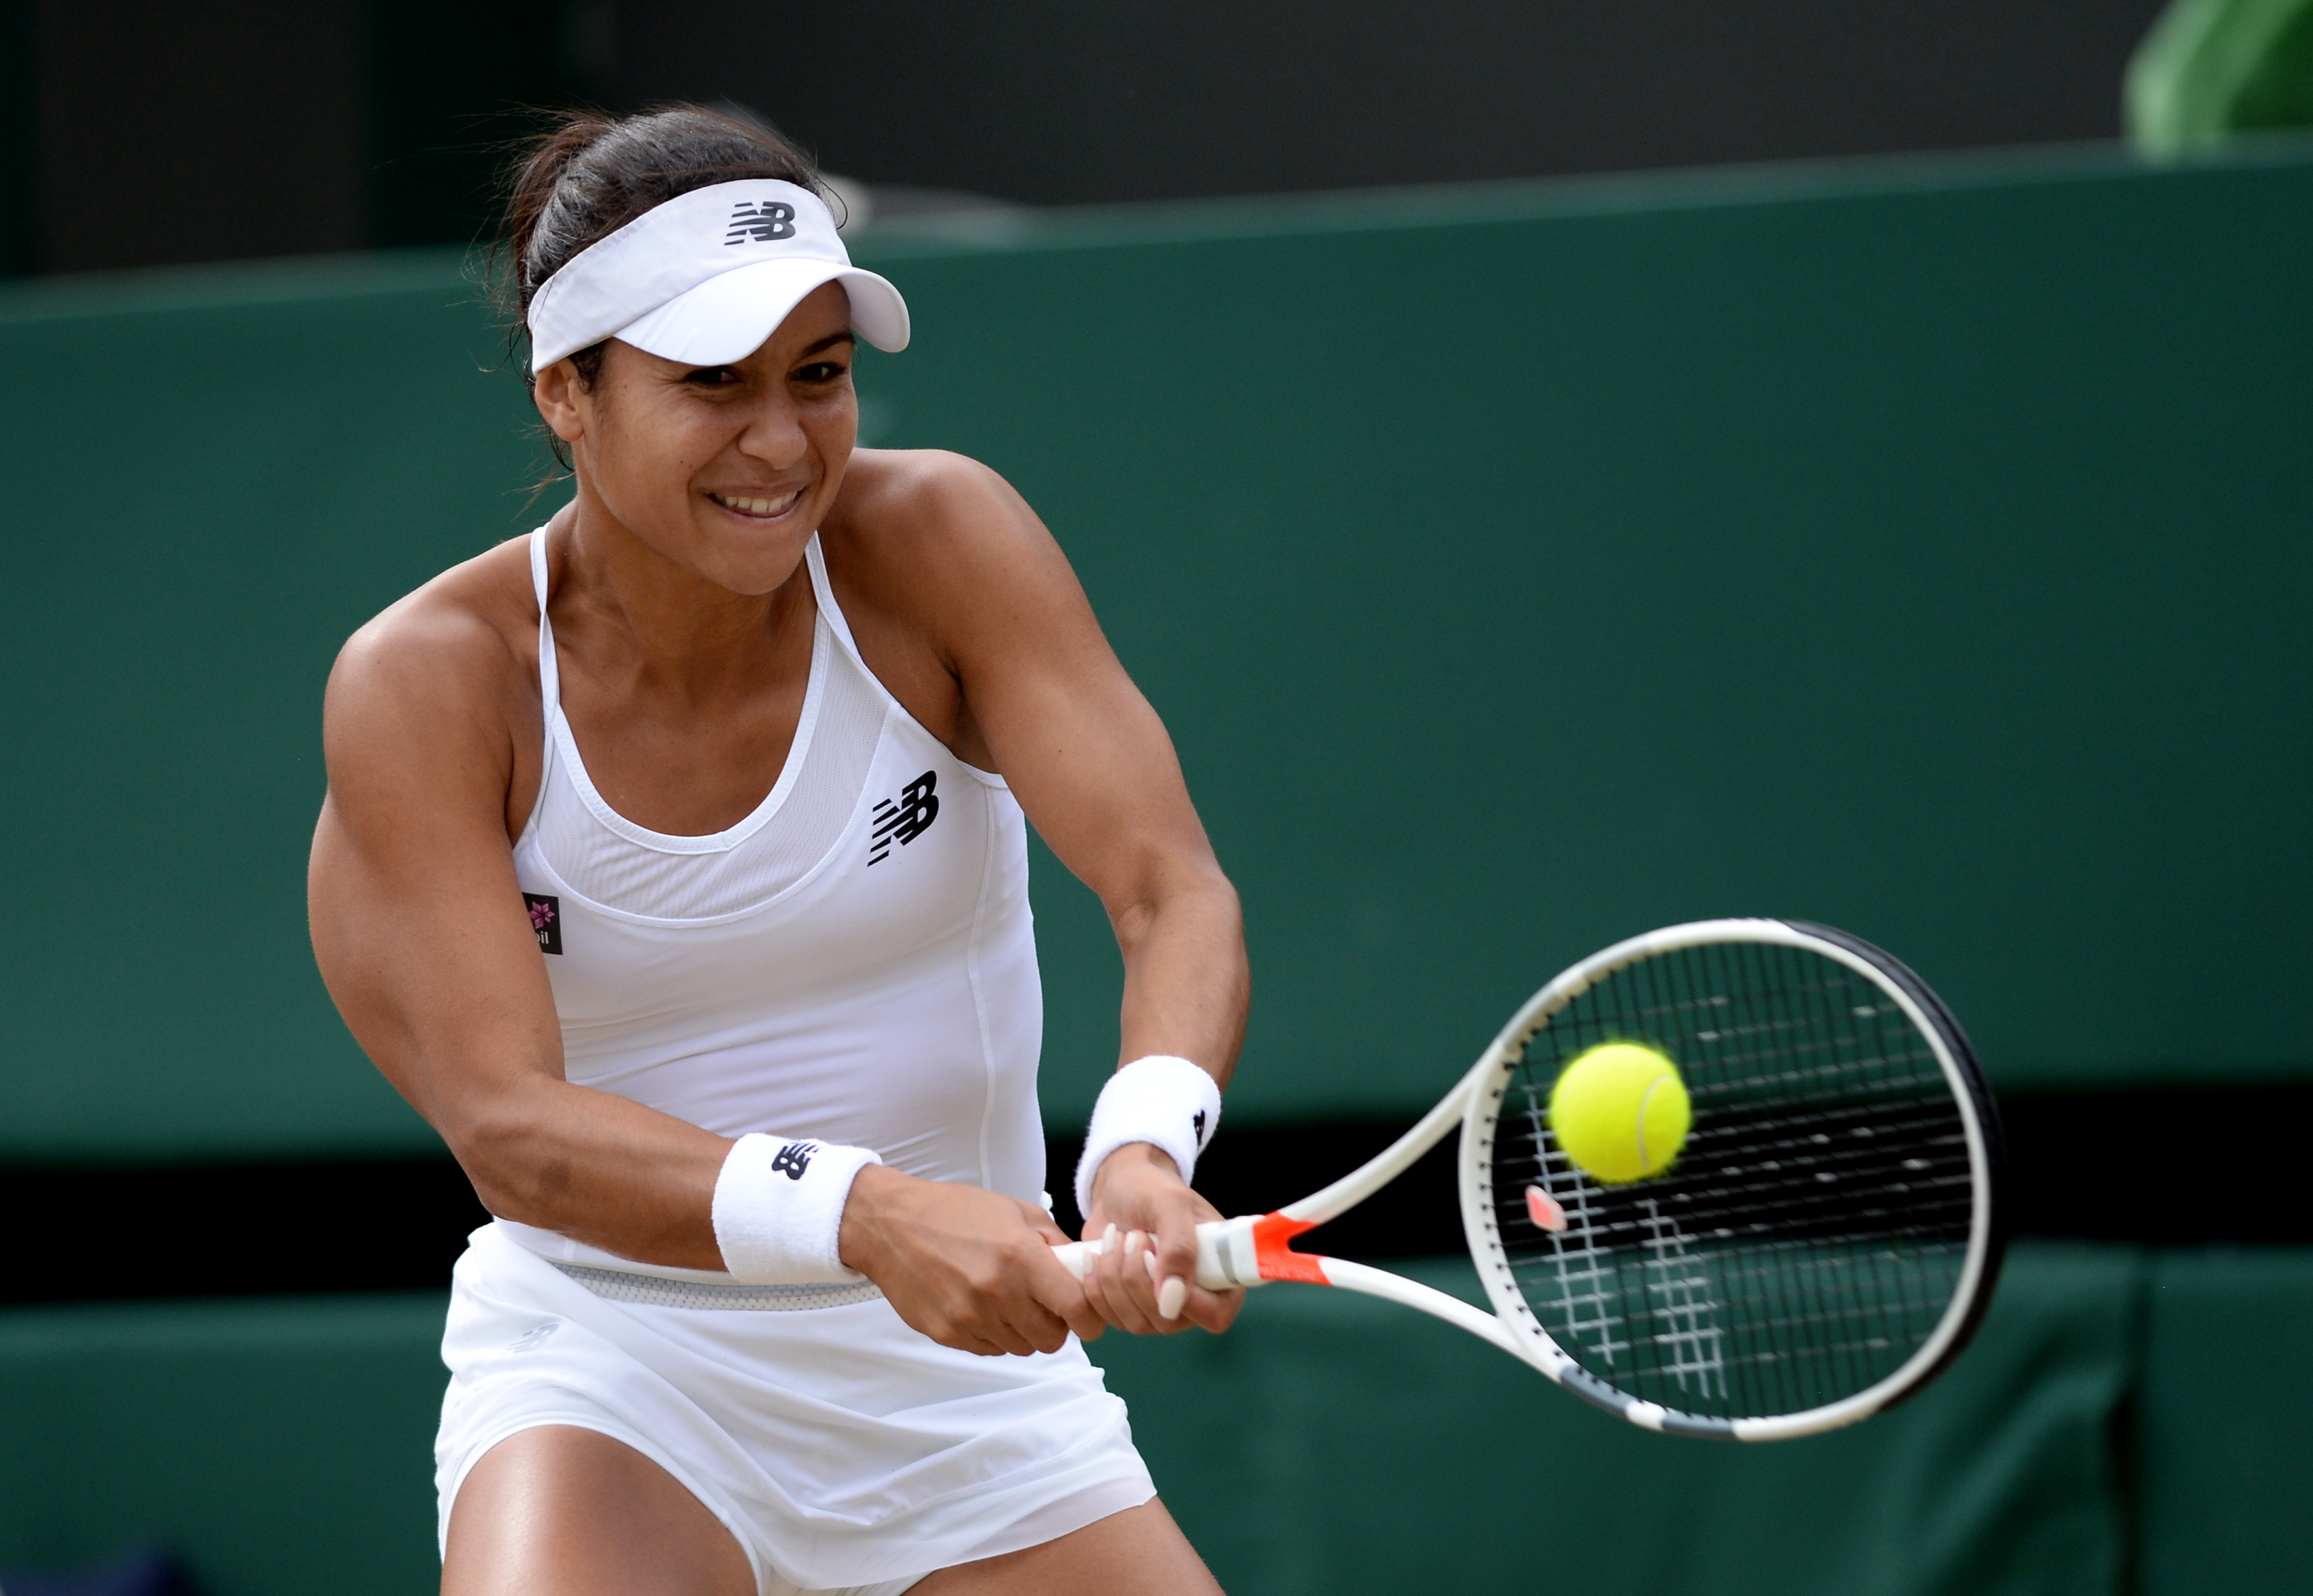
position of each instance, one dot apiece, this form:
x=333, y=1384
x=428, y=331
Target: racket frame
x=1254, y=1249
x=1480, y=1093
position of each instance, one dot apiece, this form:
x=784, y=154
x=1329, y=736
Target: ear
x=559, y=394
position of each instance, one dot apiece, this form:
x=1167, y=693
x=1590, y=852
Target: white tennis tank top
x=854, y=961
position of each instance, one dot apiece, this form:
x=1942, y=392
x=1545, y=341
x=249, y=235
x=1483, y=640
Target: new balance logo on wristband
x=907, y=820
x=1197, y=1124
x=794, y=1158
x=764, y=224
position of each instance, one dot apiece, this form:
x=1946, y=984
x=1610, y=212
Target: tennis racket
x=1824, y=1245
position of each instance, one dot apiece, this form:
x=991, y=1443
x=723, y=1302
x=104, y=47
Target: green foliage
x=2213, y=69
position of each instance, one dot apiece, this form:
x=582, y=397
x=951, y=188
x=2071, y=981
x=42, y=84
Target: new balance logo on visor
x=907, y=820
x=794, y=1158
x=764, y=222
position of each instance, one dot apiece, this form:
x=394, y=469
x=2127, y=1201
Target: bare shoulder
x=940, y=535
x=439, y=664
x=911, y=503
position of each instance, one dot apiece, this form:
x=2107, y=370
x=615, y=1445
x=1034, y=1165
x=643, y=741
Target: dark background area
x=137, y=132
x=2160, y=1167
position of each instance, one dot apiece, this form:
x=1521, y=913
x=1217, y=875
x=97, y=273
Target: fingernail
x=1108, y=1237
x=1132, y=1243
x=1170, y=1296
x=1151, y=1256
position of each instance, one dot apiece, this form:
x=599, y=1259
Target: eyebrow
x=844, y=336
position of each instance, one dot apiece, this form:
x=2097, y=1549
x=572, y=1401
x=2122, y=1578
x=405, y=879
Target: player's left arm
x=1091, y=764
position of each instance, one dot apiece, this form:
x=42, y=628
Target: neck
x=630, y=611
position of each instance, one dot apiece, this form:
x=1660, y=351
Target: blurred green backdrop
x=2126, y=1425
x=1917, y=547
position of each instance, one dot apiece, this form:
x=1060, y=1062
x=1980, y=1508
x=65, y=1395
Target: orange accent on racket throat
x=1272, y=1250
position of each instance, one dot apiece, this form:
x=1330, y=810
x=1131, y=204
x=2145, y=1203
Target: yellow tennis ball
x=1620, y=1112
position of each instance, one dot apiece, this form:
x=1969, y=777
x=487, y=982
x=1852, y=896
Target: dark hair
x=590, y=174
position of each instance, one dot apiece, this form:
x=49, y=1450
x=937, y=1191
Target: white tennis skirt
x=843, y=1449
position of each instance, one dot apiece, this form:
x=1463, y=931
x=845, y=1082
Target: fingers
x=969, y=1327
x=1013, y=1319
x=1060, y=1297
x=1213, y=1310
x=1035, y=1326
x=1146, y=1282
x=999, y=1343
x=1129, y=1289
x=1119, y=1286
x=1104, y=1284
x=1174, y=1258
x=967, y=1331
x=1180, y=1302
x=1065, y=1297
x=1043, y=1224
x=1028, y=1303
x=974, y=1270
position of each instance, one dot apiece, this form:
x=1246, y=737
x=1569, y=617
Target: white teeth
x=759, y=506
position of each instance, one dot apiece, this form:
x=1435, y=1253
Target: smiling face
x=722, y=472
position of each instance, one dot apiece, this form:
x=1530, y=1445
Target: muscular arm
x=419, y=926
x=1095, y=770
x=1091, y=764
x=419, y=929
x=946, y=553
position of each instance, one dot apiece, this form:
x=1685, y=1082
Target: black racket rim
x=1986, y=1109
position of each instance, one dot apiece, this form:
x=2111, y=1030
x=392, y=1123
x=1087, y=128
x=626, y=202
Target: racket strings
x=1811, y=1234
x=1829, y=1079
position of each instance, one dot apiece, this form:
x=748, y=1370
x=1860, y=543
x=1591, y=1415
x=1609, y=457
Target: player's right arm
x=422, y=937
x=420, y=931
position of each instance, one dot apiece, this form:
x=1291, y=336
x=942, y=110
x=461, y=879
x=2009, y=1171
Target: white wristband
x=778, y=1208
x=1165, y=1101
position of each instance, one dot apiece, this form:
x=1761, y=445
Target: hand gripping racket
x=1823, y=1246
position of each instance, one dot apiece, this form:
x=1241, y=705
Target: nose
x=774, y=431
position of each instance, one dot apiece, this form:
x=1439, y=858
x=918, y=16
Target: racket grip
x=1218, y=1240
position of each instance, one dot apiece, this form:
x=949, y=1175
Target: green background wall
x=1919, y=547
x=2126, y=1425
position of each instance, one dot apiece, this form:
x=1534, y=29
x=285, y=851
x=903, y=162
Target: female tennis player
x=673, y=866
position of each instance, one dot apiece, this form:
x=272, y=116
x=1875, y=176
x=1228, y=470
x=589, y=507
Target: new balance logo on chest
x=907, y=818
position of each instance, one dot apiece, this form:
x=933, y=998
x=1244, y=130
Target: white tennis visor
x=706, y=276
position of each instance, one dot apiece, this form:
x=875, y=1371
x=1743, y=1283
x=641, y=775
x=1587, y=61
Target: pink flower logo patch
x=546, y=920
